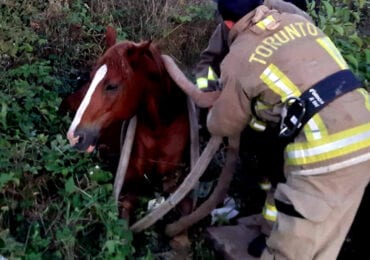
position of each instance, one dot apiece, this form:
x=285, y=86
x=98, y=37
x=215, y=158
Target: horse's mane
x=157, y=57
x=168, y=106
x=125, y=56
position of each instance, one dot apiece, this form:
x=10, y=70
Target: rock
x=232, y=241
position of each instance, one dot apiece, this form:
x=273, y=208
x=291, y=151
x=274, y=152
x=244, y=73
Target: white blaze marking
x=99, y=75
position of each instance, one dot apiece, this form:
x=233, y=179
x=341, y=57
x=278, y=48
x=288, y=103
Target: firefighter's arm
x=207, y=70
x=231, y=111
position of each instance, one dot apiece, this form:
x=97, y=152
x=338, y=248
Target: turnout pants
x=315, y=213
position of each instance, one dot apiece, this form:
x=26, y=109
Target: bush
x=54, y=202
x=341, y=20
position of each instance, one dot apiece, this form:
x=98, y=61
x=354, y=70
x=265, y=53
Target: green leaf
x=111, y=246
x=367, y=54
x=356, y=39
x=99, y=175
x=3, y=113
x=5, y=178
x=352, y=60
x=329, y=9
x=361, y=3
x=70, y=186
x=27, y=47
x=339, y=29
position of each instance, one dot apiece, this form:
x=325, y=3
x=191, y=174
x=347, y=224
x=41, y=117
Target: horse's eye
x=111, y=87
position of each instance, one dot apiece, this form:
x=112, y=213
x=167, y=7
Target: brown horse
x=131, y=79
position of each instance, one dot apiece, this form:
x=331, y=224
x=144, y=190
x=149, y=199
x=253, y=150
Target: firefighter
x=264, y=166
x=294, y=70
x=207, y=70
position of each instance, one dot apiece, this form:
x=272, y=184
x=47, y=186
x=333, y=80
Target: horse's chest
x=159, y=153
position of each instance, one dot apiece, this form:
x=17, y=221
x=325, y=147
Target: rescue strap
x=298, y=110
x=287, y=209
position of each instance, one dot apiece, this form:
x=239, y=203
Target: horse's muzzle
x=83, y=139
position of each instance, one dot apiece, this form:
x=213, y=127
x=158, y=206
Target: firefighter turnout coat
x=207, y=71
x=274, y=56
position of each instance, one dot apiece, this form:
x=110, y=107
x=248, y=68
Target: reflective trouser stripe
x=366, y=96
x=329, y=147
x=265, y=22
x=270, y=212
x=329, y=46
x=278, y=82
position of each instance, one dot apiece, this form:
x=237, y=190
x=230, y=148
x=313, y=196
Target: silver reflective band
x=265, y=186
x=334, y=167
x=257, y=125
x=329, y=147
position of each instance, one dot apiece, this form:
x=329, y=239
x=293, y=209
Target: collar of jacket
x=250, y=20
x=229, y=24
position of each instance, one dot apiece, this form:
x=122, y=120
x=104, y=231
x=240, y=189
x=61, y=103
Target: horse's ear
x=146, y=49
x=146, y=45
x=140, y=54
x=140, y=50
x=110, y=37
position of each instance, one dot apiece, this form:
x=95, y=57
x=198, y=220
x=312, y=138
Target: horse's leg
x=126, y=205
x=186, y=206
x=180, y=243
x=129, y=196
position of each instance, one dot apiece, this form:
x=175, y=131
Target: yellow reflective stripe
x=202, y=83
x=257, y=125
x=315, y=128
x=265, y=22
x=329, y=147
x=329, y=46
x=265, y=185
x=366, y=96
x=211, y=74
x=269, y=212
x=278, y=82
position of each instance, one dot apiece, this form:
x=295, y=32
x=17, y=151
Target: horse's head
x=122, y=79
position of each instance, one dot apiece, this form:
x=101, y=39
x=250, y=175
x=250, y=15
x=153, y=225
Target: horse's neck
x=163, y=108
